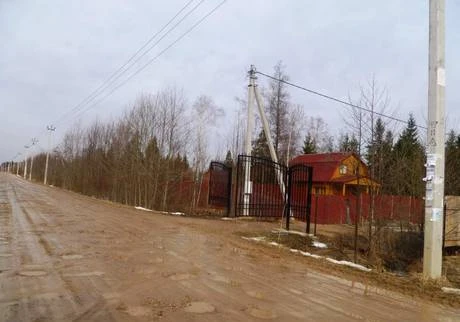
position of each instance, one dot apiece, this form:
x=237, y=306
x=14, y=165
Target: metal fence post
x=310, y=184
x=287, y=210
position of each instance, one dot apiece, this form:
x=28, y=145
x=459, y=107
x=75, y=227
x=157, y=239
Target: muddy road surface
x=67, y=257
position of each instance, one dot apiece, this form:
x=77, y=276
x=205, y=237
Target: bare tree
x=362, y=126
x=318, y=131
x=204, y=115
x=295, y=124
x=279, y=106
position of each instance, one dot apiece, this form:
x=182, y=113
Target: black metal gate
x=220, y=185
x=260, y=188
x=270, y=189
x=299, y=193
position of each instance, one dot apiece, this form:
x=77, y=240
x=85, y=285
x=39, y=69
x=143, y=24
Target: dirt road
x=66, y=257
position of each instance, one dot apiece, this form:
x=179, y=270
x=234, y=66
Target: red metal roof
x=321, y=157
x=324, y=164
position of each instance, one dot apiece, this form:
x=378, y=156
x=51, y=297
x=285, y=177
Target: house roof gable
x=324, y=164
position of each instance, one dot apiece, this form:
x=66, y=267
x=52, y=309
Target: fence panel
x=335, y=209
x=220, y=185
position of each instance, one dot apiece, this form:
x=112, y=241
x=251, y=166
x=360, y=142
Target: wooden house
x=337, y=173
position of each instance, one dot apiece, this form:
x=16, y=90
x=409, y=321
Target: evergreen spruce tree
x=452, y=169
x=260, y=146
x=229, y=159
x=408, y=159
x=309, y=145
x=347, y=144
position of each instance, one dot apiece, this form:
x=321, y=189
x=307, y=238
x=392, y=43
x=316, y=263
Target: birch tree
x=205, y=114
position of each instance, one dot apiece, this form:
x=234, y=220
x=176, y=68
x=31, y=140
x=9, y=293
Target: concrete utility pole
x=253, y=94
x=50, y=129
x=268, y=136
x=25, y=161
x=17, y=165
x=434, y=199
x=34, y=141
x=247, y=191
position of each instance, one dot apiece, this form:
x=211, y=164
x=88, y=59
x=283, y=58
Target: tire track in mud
x=77, y=281
x=35, y=267
x=214, y=287
x=5, y=237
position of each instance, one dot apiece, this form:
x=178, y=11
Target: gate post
x=237, y=188
x=229, y=189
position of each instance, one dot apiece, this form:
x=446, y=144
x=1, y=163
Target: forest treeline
x=156, y=154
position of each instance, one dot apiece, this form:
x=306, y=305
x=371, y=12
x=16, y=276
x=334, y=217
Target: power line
x=156, y=57
x=336, y=99
x=122, y=70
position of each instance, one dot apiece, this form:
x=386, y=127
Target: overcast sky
x=55, y=53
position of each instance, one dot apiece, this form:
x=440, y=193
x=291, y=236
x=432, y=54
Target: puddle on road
x=199, y=307
x=84, y=274
x=264, y=314
x=75, y=256
x=233, y=268
x=219, y=278
x=256, y=294
x=32, y=273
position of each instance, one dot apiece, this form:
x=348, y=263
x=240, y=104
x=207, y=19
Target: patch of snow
x=227, y=218
x=257, y=239
x=51, y=186
x=142, y=208
x=451, y=290
x=334, y=261
x=177, y=213
x=294, y=232
x=350, y=264
x=311, y=255
x=346, y=263
x=318, y=244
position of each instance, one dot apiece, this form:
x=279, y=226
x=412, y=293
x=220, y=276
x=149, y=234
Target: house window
x=343, y=169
